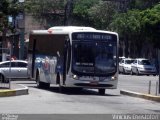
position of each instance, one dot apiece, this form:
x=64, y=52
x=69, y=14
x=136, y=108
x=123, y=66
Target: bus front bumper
x=112, y=84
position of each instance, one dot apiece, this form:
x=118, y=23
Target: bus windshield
x=94, y=58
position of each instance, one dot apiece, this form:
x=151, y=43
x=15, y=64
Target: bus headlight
x=113, y=78
x=75, y=77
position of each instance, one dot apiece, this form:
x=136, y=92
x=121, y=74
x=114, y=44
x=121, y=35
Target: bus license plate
x=102, y=78
x=93, y=82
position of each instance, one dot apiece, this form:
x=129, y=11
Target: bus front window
x=83, y=58
x=104, y=58
x=93, y=58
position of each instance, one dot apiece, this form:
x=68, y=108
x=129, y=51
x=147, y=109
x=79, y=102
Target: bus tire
x=101, y=91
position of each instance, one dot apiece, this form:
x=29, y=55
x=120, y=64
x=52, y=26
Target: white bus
x=71, y=56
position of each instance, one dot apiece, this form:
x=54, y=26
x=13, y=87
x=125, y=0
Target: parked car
x=142, y=66
x=13, y=69
x=121, y=58
x=125, y=65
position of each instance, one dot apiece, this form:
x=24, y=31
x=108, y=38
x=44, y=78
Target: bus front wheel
x=101, y=91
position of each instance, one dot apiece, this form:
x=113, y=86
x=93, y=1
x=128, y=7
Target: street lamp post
x=14, y=30
x=159, y=69
x=21, y=26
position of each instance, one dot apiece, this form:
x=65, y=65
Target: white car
x=13, y=69
x=125, y=65
x=121, y=58
x=143, y=66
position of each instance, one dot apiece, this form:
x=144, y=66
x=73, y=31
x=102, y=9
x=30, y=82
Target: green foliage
x=45, y=10
x=81, y=12
x=8, y=7
x=81, y=7
x=151, y=22
x=15, y=8
x=102, y=14
x=152, y=16
x=3, y=6
x=139, y=25
x=96, y=13
x=143, y=4
x=37, y=7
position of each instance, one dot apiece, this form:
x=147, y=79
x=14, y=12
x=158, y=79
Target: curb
x=14, y=92
x=140, y=95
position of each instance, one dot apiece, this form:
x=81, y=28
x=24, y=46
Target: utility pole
x=159, y=68
x=14, y=30
x=21, y=26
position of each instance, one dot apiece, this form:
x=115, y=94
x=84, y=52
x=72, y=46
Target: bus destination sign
x=92, y=36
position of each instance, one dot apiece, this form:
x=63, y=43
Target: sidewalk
x=15, y=90
x=136, y=86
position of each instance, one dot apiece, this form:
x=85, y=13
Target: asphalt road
x=41, y=101
x=139, y=83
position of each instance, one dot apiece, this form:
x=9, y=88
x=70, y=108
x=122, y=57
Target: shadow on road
x=65, y=90
x=76, y=91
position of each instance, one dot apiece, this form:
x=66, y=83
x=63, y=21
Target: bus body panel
x=47, y=56
x=92, y=82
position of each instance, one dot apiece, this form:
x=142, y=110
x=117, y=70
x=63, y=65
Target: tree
x=47, y=11
x=138, y=27
x=8, y=8
x=81, y=7
x=71, y=12
x=128, y=25
x=143, y=4
x=3, y=14
x=151, y=23
x=81, y=10
x=102, y=14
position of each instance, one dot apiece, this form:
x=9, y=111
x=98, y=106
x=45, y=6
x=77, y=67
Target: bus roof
x=39, y=32
x=70, y=28
x=67, y=30
x=109, y=32
x=62, y=30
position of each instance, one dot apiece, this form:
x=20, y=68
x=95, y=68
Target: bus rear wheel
x=101, y=91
